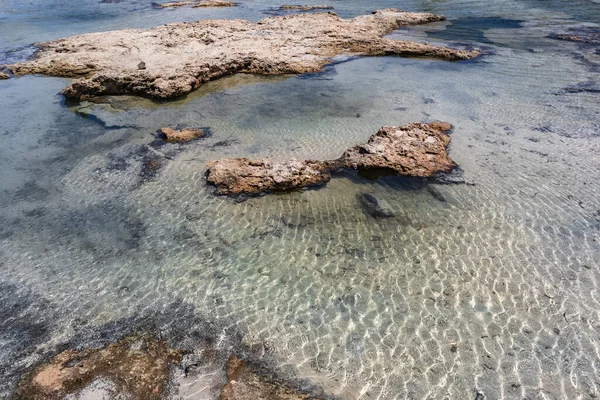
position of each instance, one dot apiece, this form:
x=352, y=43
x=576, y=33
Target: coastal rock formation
x=198, y=4
x=180, y=57
x=305, y=8
x=244, y=176
x=3, y=75
x=137, y=366
x=181, y=136
x=411, y=150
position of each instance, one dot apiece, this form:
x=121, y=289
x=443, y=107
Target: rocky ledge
x=179, y=57
x=298, y=7
x=197, y=4
x=411, y=150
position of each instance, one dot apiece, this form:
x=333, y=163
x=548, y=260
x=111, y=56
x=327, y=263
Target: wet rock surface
x=244, y=176
x=137, y=366
x=179, y=57
x=305, y=8
x=416, y=149
x=182, y=135
x=197, y=4
x=245, y=384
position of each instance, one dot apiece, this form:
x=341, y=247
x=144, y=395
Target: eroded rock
x=244, y=176
x=137, y=366
x=180, y=57
x=197, y=4
x=410, y=150
x=3, y=75
x=416, y=149
x=182, y=135
x=304, y=8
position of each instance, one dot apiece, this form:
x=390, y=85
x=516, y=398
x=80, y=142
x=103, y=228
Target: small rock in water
x=375, y=207
x=3, y=75
x=142, y=65
x=181, y=136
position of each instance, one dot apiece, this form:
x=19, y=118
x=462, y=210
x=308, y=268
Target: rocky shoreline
x=197, y=4
x=416, y=149
x=172, y=60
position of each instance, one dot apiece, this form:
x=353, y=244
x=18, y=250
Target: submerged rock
x=137, y=366
x=412, y=150
x=244, y=176
x=375, y=207
x=244, y=384
x=305, y=8
x=181, y=136
x=197, y=4
x=182, y=56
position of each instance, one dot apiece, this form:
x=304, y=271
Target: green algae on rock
x=180, y=57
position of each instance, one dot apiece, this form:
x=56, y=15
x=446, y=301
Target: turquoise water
x=488, y=288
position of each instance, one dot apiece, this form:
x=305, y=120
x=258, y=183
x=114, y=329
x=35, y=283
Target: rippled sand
x=482, y=289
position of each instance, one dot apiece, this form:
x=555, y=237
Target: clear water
x=493, y=291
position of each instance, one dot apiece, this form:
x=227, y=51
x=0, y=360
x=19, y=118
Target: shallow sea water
x=488, y=289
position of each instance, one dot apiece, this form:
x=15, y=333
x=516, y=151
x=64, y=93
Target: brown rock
x=138, y=367
x=196, y=4
x=182, y=56
x=181, y=136
x=244, y=176
x=244, y=384
x=411, y=150
x=305, y=8
x=3, y=75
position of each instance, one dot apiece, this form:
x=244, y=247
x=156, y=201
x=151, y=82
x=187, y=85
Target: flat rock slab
x=179, y=57
x=304, y=8
x=197, y=4
x=411, y=150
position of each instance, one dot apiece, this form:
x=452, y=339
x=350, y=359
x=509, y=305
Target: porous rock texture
x=244, y=176
x=179, y=57
x=197, y=4
x=415, y=149
x=137, y=366
x=182, y=135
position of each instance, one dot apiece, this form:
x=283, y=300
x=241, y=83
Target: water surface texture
x=488, y=289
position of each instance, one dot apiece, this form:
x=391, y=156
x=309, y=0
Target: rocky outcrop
x=182, y=135
x=304, y=8
x=244, y=176
x=3, y=75
x=411, y=150
x=180, y=57
x=197, y=4
x=137, y=366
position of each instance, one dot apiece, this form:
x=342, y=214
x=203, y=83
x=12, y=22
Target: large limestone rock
x=179, y=57
x=411, y=150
